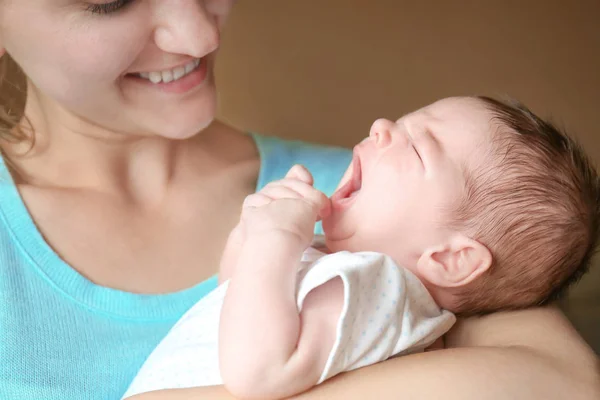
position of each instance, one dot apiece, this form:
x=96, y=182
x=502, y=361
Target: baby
x=467, y=206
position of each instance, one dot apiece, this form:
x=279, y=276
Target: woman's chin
x=179, y=127
x=181, y=120
x=186, y=132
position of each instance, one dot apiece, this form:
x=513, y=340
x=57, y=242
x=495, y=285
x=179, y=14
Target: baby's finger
x=306, y=191
x=256, y=200
x=280, y=191
x=294, y=188
x=325, y=209
x=300, y=173
x=317, y=199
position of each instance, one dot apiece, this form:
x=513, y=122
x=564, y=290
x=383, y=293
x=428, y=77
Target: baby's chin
x=339, y=232
x=330, y=227
x=335, y=243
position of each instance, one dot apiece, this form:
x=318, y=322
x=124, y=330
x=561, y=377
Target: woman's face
x=114, y=63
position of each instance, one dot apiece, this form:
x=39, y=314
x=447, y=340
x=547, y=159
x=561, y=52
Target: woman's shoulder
x=226, y=143
x=327, y=164
x=276, y=155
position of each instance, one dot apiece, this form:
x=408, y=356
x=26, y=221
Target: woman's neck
x=68, y=151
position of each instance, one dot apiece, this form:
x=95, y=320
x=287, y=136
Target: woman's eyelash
x=107, y=8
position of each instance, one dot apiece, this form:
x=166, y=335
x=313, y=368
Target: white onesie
x=387, y=311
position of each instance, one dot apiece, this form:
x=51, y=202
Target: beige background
x=323, y=70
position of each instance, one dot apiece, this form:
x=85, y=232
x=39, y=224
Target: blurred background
x=324, y=70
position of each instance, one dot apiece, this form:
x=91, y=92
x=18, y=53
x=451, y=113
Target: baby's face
x=405, y=178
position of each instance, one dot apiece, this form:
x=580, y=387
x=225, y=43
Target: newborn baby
x=466, y=206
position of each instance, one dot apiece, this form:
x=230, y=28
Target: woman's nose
x=381, y=133
x=185, y=27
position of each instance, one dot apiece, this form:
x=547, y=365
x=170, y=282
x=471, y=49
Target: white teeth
x=178, y=73
x=170, y=75
x=155, y=77
x=167, y=76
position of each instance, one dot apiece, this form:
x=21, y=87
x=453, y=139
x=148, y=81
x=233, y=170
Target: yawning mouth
x=351, y=189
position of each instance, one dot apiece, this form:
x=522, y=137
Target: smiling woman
x=122, y=191
x=95, y=83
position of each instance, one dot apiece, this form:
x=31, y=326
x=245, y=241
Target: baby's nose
x=384, y=132
x=381, y=135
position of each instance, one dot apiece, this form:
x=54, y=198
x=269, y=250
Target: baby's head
x=490, y=206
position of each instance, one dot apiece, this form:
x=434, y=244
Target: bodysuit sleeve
x=387, y=311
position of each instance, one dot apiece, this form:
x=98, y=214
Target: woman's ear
x=455, y=263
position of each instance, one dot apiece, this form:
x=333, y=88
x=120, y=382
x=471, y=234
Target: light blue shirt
x=64, y=337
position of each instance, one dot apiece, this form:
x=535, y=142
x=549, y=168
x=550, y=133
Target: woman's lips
x=185, y=84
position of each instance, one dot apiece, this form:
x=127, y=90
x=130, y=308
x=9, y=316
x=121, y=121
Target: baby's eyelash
x=417, y=152
x=108, y=8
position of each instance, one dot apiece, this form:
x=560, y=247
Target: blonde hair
x=14, y=125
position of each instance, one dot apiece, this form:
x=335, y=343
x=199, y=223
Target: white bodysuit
x=387, y=311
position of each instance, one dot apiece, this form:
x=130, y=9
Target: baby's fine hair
x=535, y=204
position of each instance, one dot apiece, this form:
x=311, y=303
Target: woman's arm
x=531, y=354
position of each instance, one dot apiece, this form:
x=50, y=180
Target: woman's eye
x=108, y=8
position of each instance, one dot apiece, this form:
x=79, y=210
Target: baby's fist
x=288, y=206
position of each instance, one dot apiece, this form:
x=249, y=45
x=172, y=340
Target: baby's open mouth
x=354, y=184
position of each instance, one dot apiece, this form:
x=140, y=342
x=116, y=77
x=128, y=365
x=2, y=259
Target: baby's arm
x=266, y=348
x=230, y=254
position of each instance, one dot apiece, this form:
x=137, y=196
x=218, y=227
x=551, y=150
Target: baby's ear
x=455, y=263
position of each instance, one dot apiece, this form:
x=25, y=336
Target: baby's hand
x=290, y=206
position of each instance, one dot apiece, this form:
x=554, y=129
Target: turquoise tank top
x=64, y=337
